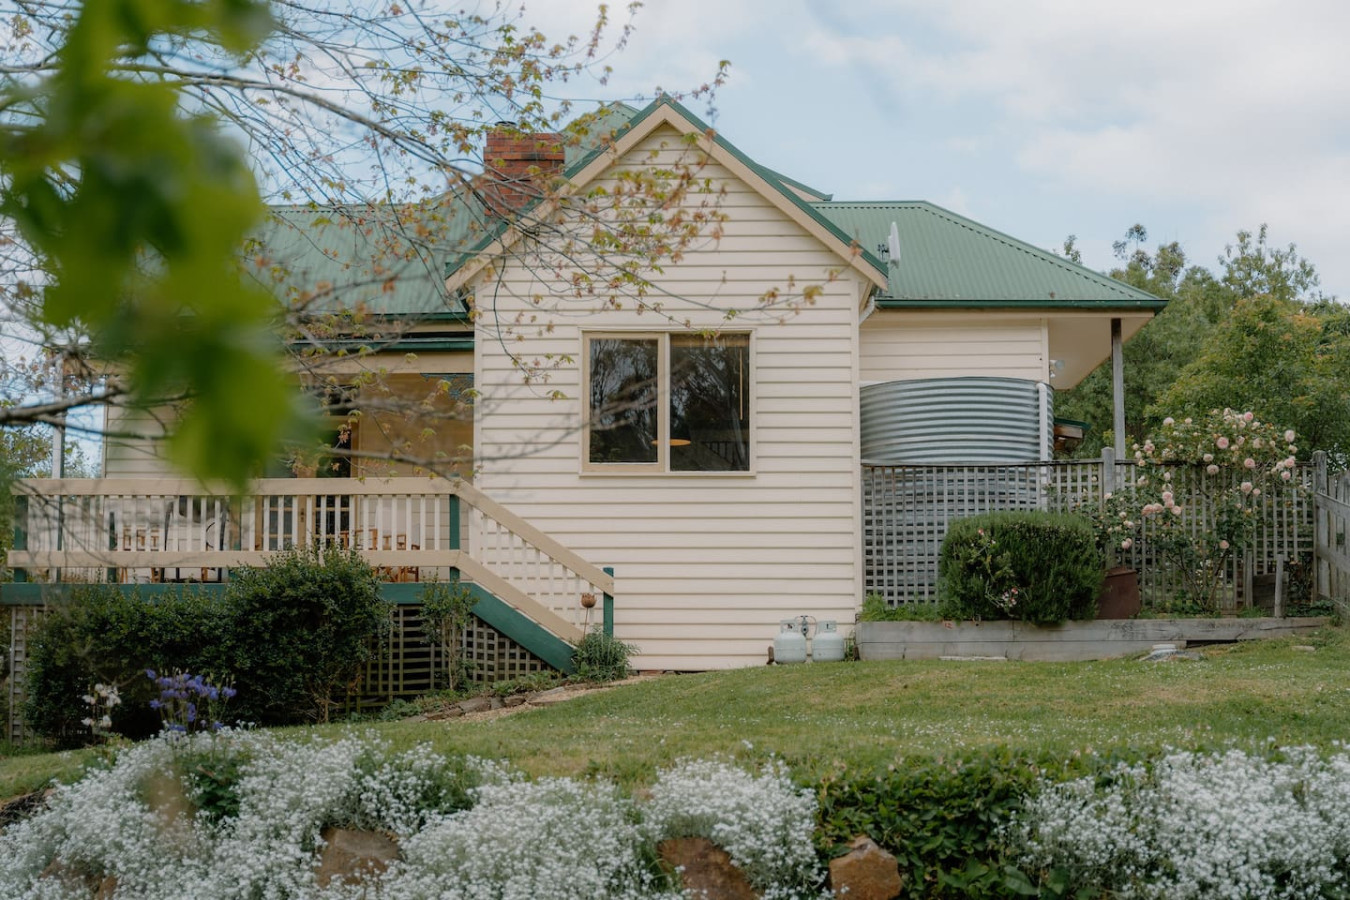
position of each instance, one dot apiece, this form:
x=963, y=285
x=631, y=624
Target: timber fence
x=908, y=508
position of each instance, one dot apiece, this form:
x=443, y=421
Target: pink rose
x=1289, y=436
x=1222, y=443
x=1286, y=475
x=1126, y=544
x=1212, y=469
x=1209, y=457
x=1169, y=421
x=1247, y=417
x=1176, y=510
x=1249, y=463
x=1246, y=487
x=1256, y=492
x=1223, y=545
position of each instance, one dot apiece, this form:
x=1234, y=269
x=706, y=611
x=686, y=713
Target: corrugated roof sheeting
x=947, y=257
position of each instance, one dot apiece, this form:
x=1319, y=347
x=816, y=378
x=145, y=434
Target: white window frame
x=662, y=464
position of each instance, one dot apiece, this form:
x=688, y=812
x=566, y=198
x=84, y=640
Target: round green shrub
x=1029, y=566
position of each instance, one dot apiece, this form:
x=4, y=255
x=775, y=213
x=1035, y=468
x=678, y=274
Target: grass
x=868, y=714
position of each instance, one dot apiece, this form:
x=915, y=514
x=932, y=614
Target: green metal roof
x=947, y=260
x=386, y=260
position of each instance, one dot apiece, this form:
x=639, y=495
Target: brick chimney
x=518, y=167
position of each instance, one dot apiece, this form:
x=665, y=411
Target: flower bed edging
x=1069, y=642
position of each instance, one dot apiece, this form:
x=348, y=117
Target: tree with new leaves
x=140, y=138
x=1199, y=303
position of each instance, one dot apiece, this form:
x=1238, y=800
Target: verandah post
x=20, y=531
x=608, y=608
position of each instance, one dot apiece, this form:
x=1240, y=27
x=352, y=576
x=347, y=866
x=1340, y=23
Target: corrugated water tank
x=957, y=420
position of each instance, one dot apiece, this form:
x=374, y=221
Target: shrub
x=1194, y=825
x=602, y=657
x=300, y=629
x=943, y=819
x=289, y=636
x=1031, y=566
x=447, y=609
x=101, y=634
x=874, y=609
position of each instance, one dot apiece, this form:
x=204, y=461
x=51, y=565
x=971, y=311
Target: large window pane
x=623, y=426
x=709, y=403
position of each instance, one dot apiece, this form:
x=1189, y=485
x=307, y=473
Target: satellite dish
x=893, y=245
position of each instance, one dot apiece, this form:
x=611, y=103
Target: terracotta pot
x=1119, y=598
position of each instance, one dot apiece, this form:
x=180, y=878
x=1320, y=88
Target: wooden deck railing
x=124, y=530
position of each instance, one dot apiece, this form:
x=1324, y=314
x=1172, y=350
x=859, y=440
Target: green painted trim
x=1100, y=305
x=454, y=517
x=406, y=344
x=773, y=179
x=35, y=594
x=533, y=637
x=524, y=631
x=608, y=608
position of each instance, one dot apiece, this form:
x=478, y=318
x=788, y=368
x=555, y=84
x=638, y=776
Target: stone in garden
x=705, y=870
x=865, y=872
x=475, y=704
x=1169, y=653
x=496, y=703
x=450, y=712
x=349, y=856
x=513, y=700
x=548, y=698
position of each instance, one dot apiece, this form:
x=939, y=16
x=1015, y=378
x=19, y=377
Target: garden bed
x=1069, y=642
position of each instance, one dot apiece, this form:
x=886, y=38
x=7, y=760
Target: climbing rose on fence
x=1224, y=469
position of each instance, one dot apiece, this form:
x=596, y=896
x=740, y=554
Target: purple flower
x=150, y=673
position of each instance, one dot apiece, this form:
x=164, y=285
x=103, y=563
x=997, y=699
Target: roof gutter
x=1098, y=305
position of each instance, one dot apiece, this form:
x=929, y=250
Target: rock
x=865, y=872
x=496, y=703
x=350, y=857
x=548, y=698
x=23, y=806
x=513, y=701
x=73, y=881
x=475, y=704
x=705, y=870
x=1169, y=653
x=1304, y=648
x=450, y=712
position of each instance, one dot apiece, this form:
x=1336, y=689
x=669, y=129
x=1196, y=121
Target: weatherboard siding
x=898, y=346
x=705, y=564
x=134, y=444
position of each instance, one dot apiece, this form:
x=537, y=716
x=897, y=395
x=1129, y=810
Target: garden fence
x=1332, y=498
x=907, y=510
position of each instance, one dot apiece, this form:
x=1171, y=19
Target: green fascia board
x=948, y=259
x=31, y=593
x=533, y=637
x=1100, y=305
x=776, y=181
x=408, y=344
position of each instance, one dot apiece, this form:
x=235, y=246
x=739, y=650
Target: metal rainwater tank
x=936, y=421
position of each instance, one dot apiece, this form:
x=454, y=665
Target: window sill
x=594, y=473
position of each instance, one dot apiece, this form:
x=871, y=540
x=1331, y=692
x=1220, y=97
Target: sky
x=1041, y=118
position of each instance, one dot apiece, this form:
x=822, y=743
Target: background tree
x=1286, y=361
x=1199, y=302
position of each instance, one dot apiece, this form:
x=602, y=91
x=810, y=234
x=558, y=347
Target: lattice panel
x=411, y=666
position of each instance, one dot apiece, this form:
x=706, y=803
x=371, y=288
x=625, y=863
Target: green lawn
x=867, y=714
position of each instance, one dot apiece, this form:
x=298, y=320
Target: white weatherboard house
x=711, y=461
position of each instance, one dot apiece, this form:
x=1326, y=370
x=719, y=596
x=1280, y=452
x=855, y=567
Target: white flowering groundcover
x=1189, y=825
x=466, y=828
